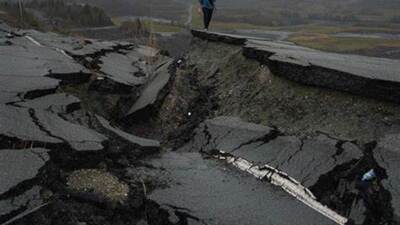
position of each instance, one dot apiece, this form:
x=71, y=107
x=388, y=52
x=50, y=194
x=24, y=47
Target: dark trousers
x=207, y=14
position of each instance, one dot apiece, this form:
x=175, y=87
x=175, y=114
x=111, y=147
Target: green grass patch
x=331, y=29
x=341, y=44
x=161, y=27
x=151, y=25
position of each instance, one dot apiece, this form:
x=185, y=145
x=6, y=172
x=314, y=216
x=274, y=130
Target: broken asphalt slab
x=32, y=69
x=26, y=68
x=300, y=158
x=58, y=103
x=75, y=46
x=17, y=88
x=29, y=126
x=361, y=75
x=135, y=140
x=120, y=62
x=27, y=59
x=229, y=133
x=151, y=92
x=308, y=160
x=220, y=37
x=123, y=69
x=129, y=67
x=78, y=137
x=17, y=123
x=20, y=165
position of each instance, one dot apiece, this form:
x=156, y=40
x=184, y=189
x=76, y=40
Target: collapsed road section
x=86, y=126
x=368, y=76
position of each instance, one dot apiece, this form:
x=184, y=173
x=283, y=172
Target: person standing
x=207, y=7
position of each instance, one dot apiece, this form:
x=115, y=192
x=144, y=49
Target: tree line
x=73, y=13
x=58, y=13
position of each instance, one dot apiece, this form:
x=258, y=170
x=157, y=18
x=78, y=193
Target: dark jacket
x=207, y=3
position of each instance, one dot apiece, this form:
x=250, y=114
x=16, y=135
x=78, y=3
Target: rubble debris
x=101, y=185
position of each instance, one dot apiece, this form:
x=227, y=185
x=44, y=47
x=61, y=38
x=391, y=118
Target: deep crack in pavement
x=99, y=132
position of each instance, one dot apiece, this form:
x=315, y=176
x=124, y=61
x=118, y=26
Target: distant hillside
x=57, y=14
x=265, y=12
x=168, y=9
x=284, y=12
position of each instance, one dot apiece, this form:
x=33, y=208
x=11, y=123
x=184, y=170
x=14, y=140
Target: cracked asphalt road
x=61, y=145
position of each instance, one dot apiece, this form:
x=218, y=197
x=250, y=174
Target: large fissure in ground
x=79, y=135
x=245, y=89
x=339, y=190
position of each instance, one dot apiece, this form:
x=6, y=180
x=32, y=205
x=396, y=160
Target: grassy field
x=161, y=27
x=321, y=37
x=307, y=28
x=318, y=36
x=331, y=29
x=341, y=44
x=154, y=26
x=197, y=23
